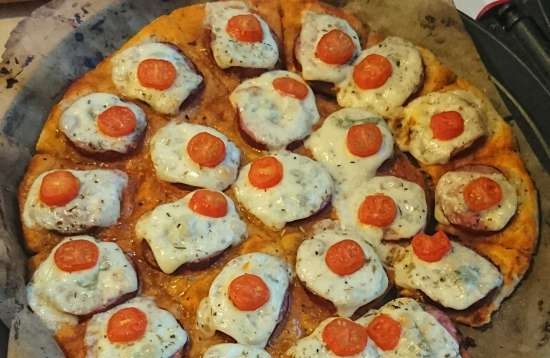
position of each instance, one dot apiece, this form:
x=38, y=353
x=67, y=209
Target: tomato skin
x=377, y=210
x=335, y=48
x=290, y=87
x=364, y=140
x=345, y=337
x=156, y=73
x=372, y=72
x=76, y=255
x=345, y=257
x=206, y=150
x=482, y=193
x=385, y=332
x=209, y=203
x=431, y=248
x=245, y=28
x=117, y=121
x=127, y=325
x=58, y=188
x=248, y=292
x=265, y=172
x=447, y=125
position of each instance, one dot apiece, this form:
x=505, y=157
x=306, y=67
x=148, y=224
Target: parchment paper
x=66, y=38
x=434, y=25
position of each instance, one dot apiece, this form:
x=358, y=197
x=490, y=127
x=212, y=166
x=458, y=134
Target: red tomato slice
x=364, y=140
x=335, y=48
x=59, y=188
x=209, y=203
x=206, y=150
x=265, y=172
x=385, y=332
x=345, y=257
x=290, y=87
x=372, y=72
x=431, y=248
x=248, y=292
x=127, y=325
x=344, y=337
x=76, y=255
x=156, y=73
x=482, y=193
x=245, y=28
x=116, y=121
x=447, y=125
x=377, y=210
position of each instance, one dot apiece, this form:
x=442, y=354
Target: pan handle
x=528, y=35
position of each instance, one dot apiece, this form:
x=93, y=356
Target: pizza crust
x=436, y=75
x=511, y=255
x=511, y=249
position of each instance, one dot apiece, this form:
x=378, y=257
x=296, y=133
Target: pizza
x=273, y=179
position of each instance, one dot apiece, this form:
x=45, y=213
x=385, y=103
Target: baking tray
x=65, y=38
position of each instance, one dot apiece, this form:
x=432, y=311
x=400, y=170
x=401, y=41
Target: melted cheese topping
x=450, y=206
x=458, y=280
x=58, y=297
x=173, y=164
x=97, y=203
x=349, y=292
x=314, y=26
x=177, y=235
x=254, y=328
x=163, y=336
x=408, y=197
x=404, y=80
x=305, y=189
x=271, y=118
x=235, y=350
x=314, y=346
x=429, y=150
x=421, y=335
x=328, y=145
x=227, y=51
x=124, y=75
x=79, y=123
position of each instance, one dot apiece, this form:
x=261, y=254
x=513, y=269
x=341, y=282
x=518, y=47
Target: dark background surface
x=3, y=340
x=524, y=85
